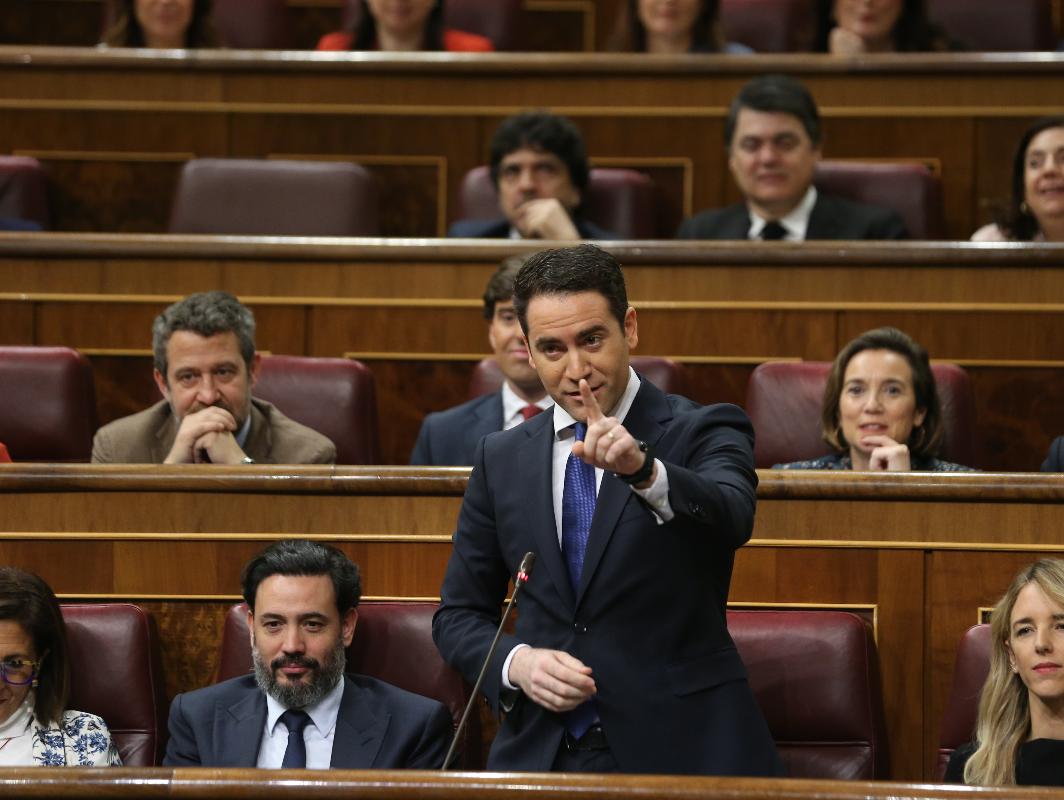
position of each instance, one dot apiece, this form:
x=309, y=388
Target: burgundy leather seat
x=114, y=673
x=666, y=374
x=912, y=190
x=620, y=200
x=48, y=404
x=252, y=24
x=769, y=26
x=815, y=675
x=498, y=20
x=784, y=400
x=24, y=190
x=258, y=197
x=393, y=642
x=970, y=672
x=994, y=25
x=337, y=397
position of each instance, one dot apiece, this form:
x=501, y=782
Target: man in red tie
x=448, y=438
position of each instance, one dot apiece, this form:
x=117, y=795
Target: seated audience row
x=541, y=186
x=840, y=27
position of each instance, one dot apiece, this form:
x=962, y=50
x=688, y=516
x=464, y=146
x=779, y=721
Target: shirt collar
x=796, y=222
x=512, y=404
x=563, y=421
x=323, y=713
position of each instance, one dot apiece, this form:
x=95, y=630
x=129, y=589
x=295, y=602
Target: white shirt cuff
x=506, y=668
x=657, y=495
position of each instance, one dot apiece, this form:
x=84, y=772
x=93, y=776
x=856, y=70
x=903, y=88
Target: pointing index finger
x=594, y=412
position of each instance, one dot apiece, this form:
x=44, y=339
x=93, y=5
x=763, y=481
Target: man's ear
x=251, y=628
x=348, y=625
x=160, y=383
x=631, y=328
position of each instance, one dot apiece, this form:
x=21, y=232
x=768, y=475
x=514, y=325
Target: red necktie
x=530, y=411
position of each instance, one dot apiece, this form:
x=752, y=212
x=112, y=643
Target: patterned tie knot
x=580, y=431
x=295, y=720
x=530, y=411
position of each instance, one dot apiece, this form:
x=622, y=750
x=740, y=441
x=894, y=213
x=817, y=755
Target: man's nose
x=293, y=640
x=207, y=391
x=576, y=366
x=526, y=180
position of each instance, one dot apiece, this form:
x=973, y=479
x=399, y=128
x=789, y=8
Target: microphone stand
x=520, y=579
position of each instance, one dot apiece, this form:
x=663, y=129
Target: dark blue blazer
x=448, y=438
x=379, y=726
x=500, y=229
x=1055, y=458
x=18, y=224
x=649, y=614
x=832, y=218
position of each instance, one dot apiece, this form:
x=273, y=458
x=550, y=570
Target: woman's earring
x=1024, y=208
x=33, y=684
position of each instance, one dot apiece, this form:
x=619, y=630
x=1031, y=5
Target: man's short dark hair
x=303, y=557
x=500, y=286
x=205, y=314
x=568, y=270
x=540, y=130
x=775, y=93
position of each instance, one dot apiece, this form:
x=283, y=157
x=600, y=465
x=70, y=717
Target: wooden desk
x=921, y=555
x=409, y=309
x=115, y=127
x=124, y=783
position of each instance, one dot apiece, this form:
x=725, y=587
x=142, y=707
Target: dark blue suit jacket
x=649, y=614
x=500, y=229
x=378, y=726
x=448, y=438
x=1055, y=458
x=832, y=218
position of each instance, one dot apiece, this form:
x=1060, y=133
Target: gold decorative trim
x=982, y=614
x=875, y=544
x=133, y=597
x=195, y=537
x=104, y=155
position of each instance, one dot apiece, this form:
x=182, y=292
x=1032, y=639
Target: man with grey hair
x=205, y=368
x=299, y=709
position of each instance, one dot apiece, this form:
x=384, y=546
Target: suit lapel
x=239, y=730
x=645, y=420
x=823, y=224
x=537, y=449
x=737, y=224
x=359, y=732
x=258, y=442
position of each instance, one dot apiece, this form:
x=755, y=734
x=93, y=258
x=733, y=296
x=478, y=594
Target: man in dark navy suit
x=634, y=502
x=774, y=138
x=299, y=709
x=448, y=438
x=540, y=170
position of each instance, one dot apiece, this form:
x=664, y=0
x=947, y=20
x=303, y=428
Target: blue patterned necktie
x=295, y=755
x=578, y=507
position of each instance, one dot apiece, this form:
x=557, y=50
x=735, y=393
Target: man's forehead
x=751, y=122
x=530, y=153
x=295, y=595
x=192, y=347
x=549, y=314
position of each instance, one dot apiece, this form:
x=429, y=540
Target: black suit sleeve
x=422, y=455
x=889, y=226
x=958, y=759
x=436, y=736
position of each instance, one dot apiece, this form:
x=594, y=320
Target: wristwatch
x=644, y=472
x=247, y=460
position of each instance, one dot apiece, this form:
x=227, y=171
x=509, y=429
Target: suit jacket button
x=696, y=509
x=579, y=627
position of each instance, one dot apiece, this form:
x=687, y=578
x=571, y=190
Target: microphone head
x=525, y=569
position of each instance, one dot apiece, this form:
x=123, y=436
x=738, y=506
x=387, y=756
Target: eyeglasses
x=18, y=671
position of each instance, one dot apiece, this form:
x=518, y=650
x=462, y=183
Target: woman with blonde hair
x=1019, y=734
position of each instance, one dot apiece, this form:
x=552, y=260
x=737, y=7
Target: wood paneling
x=919, y=553
x=123, y=114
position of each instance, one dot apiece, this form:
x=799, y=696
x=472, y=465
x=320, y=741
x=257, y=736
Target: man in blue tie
x=298, y=709
x=634, y=502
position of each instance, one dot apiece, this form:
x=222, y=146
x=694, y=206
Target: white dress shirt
x=656, y=495
x=512, y=405
x=318, y=735
x=795, y=223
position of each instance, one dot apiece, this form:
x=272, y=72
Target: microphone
x=520, y=579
